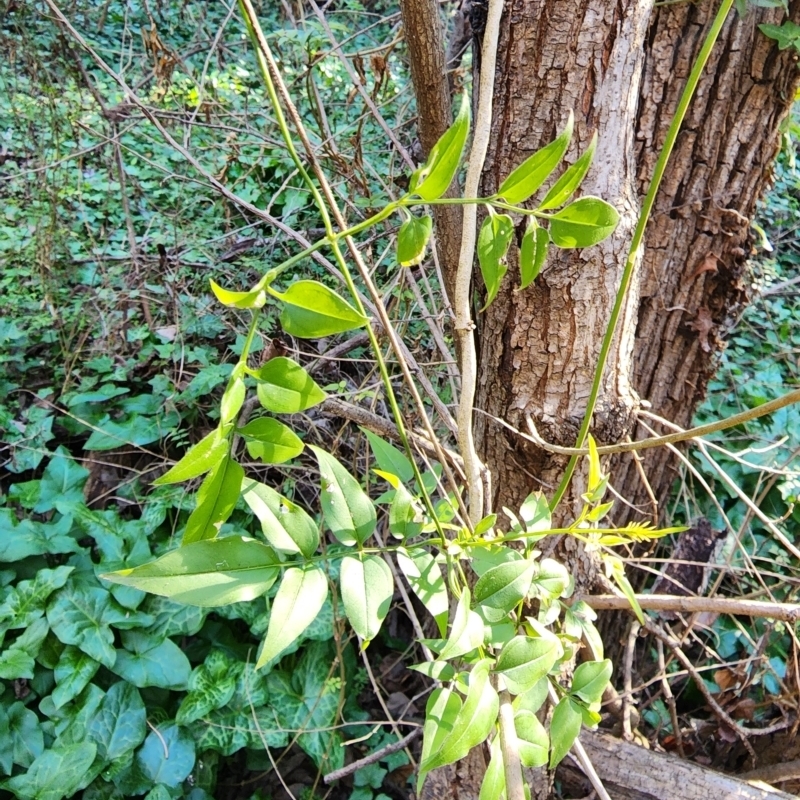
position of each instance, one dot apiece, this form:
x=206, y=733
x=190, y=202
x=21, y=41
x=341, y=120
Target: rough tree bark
x=621, y=67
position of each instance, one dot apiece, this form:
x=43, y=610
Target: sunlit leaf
x=367, y=587
x=412, y=239
x=271, y=441
x=424, y=576
x=284, y=387
x=199, y=459
x=300, y=597
x=536, y=169
x=214, y=572
x=493, y=785
x=590, y=680
x=572, y=178
x=583, y=223
x=347, y=509
x=216, y=499
x=467, y=631
x=565, y=725
x=251, y=299
x=493, y=241
x=311, y=310
x=533, y=741
x=232, y=401
x=532, y=253
x=501, y=588
x=440, y=714
x=525, y=660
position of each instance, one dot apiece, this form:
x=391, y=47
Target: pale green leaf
x=58, y=772
x=214, y=572
x=583, y=223
x=252, y=299
x=312, y=310
x=198, y=460
x=150, y=661
x=565, y=725
x=367, y=587
x=502, y=587
x=493, y=241
x=348, y=511
x=119, y=725
x=412, y=240
x=232, y=401
x=532, y=253
x=467, y=631
x=389, y=458
x=284, y=387
x=300, y=597
x=216, y=499
x=534, y=743
x=286, y=526
x=271, y=441
x=493, y=785
x=441, y=712
x=525, y=660
x=536, y=169
x=424, y=576
x=590, y=680
x=572, y=178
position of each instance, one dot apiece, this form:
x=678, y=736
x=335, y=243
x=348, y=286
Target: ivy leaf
x=534, y=743
x=583, y=223
x=532, y=253
x=590, y=680
x=425, y=579
x=300, y=597
x=56, y=773
x=432, y=180
x=211, y=686
x=565, y=726
x=348, y=511
x=216, y=499
x=271, y=441
x=572, y=178
x=525, y=660
x=285, y=525
x=32, y=538
x=786, y=35
x=252, y=299
x=312, y=310
x=412, y=240
x=367, y=587
x=119, y=725
x=74, y=670
x=167, y=755
x=215, y=572
x=536, y=169
x=493, y=241
x=26, y=601
x=502, y=587
x=198, y=460
x=284, y=387
x=150, y=661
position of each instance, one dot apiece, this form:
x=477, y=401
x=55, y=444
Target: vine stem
x=464, y=326
x=509, y=745
x=637, y=241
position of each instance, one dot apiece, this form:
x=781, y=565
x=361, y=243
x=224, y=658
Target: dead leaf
x=708, y=264
x=703, y=324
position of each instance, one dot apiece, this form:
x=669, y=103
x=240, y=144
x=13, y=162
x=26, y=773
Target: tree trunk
x=622, y=67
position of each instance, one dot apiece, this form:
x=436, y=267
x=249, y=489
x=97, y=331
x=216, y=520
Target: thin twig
x=669, y=698
x=627, y=697
x=372, y=757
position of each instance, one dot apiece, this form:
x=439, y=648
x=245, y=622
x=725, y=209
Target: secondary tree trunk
x=622, y=67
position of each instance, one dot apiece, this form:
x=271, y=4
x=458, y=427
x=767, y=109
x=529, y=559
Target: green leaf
x=534, y=743
x=590, y=680
x=501, y=588
x=467, y=631
x=572, y=178
x=389, y=458
x=405, y=517
x=214, y=572
x=525, y=660
x=617, y=571
x=532, y=253
x=82, y=615
x=251, y=299
x=441, y=712
x=216, y=499
x=119, y=725
x=285, y=525
x=271, y=441
x=493, y=241
x=56, y=773
x=536, y=169
x=583, y=223
x=73, y=671
x=413, y=239
x=211, y=686
x=150, y=661
x=535, y=513
x=534, y=698
x=565, y=726
x=473, y=723
x=284, y=387
x=786, y=34
x=25, y=602
x=434, y=178
x=16, y=663
x=300, y=597
x=25, y=734
x=62, y=483
x=367, y=587
x=552, y=579
x=435, y=670
x=493, y=786
x=348, y=511
x=167, y=755
x=425, y=579
x=232, y=401
x=312, y=310
x=31, y=538
x=198, y=460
